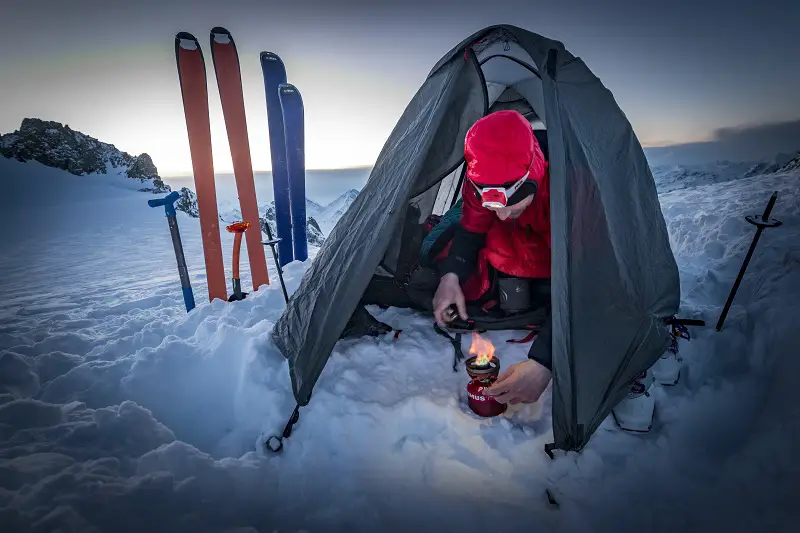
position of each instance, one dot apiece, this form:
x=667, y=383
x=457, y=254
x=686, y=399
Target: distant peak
x=56, y=145
x=36, y=124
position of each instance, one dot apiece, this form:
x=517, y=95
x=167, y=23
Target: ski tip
x=273, y=68
x=270, y=56
x=220, y=35
x=287, y=88
x=187, y=41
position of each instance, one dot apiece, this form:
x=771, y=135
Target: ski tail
x=194, y=92
x=293, y=122
x=229, y=81
x=274, y=73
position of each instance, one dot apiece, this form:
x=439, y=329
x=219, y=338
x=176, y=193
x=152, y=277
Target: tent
x=614, y=277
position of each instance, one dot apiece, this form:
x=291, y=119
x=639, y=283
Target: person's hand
x=448, y=293
x=520, y=383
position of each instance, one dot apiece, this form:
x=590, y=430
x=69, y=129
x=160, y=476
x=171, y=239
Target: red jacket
x=518, y=247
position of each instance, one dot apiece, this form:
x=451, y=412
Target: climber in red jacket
x=504, y=225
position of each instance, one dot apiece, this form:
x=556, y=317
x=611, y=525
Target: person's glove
x=520, y=383
x=448, y=293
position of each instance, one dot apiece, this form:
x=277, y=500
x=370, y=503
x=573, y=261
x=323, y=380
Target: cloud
x=763, y=132
x=744, y=143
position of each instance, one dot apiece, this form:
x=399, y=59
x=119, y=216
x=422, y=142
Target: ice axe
x=237, y=228
x=272, y=243
x=169, y=206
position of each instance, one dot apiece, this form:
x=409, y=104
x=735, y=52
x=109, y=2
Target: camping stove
x=481, y=377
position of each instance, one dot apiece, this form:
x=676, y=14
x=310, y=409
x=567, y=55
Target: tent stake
x=761, y=222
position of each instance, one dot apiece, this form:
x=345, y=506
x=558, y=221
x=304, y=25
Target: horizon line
x=230, y=171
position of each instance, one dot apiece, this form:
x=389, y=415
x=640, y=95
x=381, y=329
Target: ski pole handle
x=168, y=202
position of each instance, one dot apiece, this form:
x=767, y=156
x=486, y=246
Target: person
x=505, y=226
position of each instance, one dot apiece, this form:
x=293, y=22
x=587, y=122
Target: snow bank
x=121, y=412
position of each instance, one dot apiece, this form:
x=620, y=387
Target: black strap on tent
x=674, y=321
x=459, y=354
x=548, y=449
x=275, y=443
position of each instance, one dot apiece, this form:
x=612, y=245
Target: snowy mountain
x=791, y=165
x=328, y=215
x=313, y=208
x=188, y=202
x=58, y=146
x=266, y=215
x=674, y=177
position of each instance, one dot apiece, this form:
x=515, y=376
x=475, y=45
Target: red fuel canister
x=481, y=377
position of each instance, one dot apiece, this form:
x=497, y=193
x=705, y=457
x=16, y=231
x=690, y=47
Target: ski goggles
x=498, y=197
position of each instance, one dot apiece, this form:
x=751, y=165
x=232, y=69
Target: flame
x=483, y=348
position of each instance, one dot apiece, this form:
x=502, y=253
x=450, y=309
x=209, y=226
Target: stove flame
x=481, y=347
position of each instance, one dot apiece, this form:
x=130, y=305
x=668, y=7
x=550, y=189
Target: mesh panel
x=447, y=191
x=425, y=202
x=402, y=254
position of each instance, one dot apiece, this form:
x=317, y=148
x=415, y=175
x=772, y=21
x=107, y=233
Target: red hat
x=500, y=148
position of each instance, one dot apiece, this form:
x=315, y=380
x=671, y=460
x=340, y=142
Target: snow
x=121, y=412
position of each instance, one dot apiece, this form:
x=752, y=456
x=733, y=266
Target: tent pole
x=458, y=186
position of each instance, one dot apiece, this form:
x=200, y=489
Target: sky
x=682, y=71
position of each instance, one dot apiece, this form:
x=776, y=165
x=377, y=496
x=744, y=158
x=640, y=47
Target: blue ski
x=293, y=122
x=274, y=75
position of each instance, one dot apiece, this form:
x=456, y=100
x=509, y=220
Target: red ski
x=192, y=75
x=229, y=81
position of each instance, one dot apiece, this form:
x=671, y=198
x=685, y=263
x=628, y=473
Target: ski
x=194, y=92
x=293, y=121
x=274, y=74
x=229, y=82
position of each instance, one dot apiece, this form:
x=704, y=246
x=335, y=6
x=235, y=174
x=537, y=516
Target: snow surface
x=121, y=412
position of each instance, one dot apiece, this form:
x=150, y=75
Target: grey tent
x=614, y=277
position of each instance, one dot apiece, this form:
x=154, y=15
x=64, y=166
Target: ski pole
x=761, y=222
x=272, y=243
x=169, y=207
x=238, y=228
